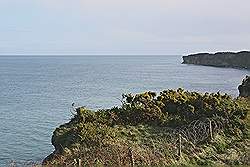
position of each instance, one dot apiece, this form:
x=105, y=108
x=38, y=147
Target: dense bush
x=171, y=109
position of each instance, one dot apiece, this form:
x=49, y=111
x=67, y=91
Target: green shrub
x=143, y=122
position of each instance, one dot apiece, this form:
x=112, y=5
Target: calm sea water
x=36, y=92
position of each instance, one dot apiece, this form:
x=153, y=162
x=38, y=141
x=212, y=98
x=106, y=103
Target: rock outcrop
x=244, y=88
x=220, y=59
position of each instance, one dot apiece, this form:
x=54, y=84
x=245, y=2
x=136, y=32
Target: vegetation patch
x=176, y=127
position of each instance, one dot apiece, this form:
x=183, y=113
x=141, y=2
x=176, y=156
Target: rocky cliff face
x=220, y=59
x=244, y=88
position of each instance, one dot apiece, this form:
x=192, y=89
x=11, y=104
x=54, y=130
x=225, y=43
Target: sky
x=123, y=27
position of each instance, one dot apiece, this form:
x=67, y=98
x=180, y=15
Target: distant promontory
x=220, y=59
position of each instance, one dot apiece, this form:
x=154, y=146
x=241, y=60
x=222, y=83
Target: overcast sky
x=123, y=26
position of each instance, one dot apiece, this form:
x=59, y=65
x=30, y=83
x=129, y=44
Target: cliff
x=244, y=88
x=176, y=127
x=220, y=59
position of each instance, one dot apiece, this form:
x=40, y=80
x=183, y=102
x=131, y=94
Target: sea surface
x=36, y=92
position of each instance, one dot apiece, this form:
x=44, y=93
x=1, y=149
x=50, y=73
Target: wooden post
x=132, y=160
x=75, y=163
x=179, y=150
x=79, y=162
x=210, y=130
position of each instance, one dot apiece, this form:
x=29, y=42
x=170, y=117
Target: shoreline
x=237, y=60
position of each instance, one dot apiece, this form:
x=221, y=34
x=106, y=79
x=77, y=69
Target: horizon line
x=14, y=55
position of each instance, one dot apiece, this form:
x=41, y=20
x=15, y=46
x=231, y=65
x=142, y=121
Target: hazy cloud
x=123, y=26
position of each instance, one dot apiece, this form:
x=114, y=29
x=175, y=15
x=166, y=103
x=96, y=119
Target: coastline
x=238, y=60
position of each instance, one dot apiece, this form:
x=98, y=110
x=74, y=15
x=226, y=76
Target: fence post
x=132, y=160
x=211, y=130
x=80, y=163
x=179, y=149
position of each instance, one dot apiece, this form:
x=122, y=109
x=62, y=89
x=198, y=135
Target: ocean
x=36, y=92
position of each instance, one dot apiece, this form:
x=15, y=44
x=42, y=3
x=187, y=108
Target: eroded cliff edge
x=220, y=59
